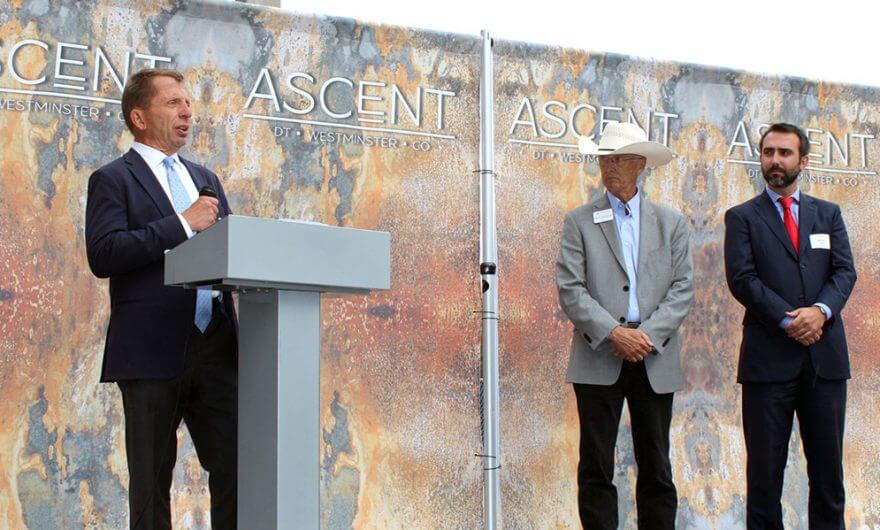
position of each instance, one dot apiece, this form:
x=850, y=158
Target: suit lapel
x=196, y=175
x=649, y=232
x=147, y=179
x=649, y=240
x=806, y=217
x=609, y=229
x=767, y=211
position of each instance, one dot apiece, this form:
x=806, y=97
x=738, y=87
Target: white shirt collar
x=152, y=156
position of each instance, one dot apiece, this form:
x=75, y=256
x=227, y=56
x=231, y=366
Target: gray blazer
x=593, y=291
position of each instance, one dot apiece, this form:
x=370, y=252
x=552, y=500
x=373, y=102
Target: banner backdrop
x=377, y=127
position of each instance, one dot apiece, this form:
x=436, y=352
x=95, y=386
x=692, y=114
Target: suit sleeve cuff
x=825, y=309
x=186, y=229
x=658, y=342
x=607, y=336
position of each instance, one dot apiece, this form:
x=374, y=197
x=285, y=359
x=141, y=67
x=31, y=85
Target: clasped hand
x=806, y=327
x=631, y=345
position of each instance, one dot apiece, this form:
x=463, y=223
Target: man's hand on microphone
x=202, y=213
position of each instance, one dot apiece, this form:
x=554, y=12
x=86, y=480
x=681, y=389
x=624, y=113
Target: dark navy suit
x=780, y=376
x=167, y=370
x=130, y=223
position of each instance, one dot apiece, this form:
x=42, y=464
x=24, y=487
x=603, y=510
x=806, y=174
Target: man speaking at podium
x=171, y=351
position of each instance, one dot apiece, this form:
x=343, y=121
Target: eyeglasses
x=619, y=159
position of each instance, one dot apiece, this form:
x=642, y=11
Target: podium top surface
x=240, y=252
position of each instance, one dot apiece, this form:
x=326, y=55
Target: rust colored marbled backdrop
x=377, y=127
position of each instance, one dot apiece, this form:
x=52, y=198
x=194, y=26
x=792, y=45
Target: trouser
x=768, y=413
x=205, y=396
x=599, y=410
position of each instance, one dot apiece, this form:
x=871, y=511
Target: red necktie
x=788, y=219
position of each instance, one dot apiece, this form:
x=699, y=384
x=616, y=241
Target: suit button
x=622, y=320
x=625, y=288
x=803, y=267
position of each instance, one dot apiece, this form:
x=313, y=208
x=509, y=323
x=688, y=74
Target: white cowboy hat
x=620, y=138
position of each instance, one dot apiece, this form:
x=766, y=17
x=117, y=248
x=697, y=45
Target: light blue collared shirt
x=626, y=218
x=795, y=212
x=795, y=206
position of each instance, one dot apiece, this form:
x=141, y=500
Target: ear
x=805, y=161
x=137, y=118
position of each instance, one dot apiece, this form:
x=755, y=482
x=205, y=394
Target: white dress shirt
x=153, y=157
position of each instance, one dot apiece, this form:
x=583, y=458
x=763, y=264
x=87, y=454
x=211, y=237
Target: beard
x=783, y=180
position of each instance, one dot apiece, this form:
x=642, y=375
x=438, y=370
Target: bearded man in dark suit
x=788, y=261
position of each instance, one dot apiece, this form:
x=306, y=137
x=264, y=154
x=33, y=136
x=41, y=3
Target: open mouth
x=182, y=130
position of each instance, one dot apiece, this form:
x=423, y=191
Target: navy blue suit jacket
x=130, y=223
x=769, y=278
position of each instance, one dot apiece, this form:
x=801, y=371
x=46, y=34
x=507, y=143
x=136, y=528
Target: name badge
x=603, y=216
x=820, y=241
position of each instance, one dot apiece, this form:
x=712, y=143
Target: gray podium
x=280, y=269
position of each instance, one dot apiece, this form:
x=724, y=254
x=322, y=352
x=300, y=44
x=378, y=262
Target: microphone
x=208, y=191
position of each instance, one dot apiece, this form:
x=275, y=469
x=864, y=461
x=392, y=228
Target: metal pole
x=489, y=397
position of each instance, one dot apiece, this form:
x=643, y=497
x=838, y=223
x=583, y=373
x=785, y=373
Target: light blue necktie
x=182, y=201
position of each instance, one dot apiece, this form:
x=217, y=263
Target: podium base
x=279, y=384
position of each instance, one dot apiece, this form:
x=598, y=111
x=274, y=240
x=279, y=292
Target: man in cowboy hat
x=625, y=281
